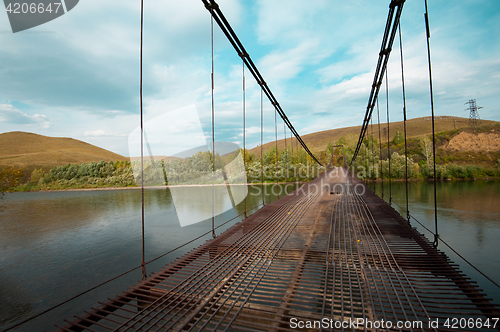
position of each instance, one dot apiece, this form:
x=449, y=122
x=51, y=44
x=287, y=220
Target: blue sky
x=78, y=76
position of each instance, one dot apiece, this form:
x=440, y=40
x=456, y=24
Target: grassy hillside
x=26, y=149
x=462, y=152
x=417, y=127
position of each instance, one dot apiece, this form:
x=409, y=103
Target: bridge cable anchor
x=436, y=241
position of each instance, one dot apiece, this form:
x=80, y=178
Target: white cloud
x=98, y=133
x=252, y=130
x=102, y=133
x=287, y=21
x=170, y=133
x=288, y=64
x=10, y=114
x=318, y=58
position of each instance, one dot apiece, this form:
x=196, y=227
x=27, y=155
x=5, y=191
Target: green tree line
x=373, y=159
x=274, y=165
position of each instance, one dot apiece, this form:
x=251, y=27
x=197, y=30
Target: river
x=55, y=245
x=468, y=220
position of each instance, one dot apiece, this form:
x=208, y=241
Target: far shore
x=241, y=184
x=160, y=187
x=430, y=180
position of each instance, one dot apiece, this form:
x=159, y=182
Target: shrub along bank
x=274, y=165
x=374, y=158
x=71, y=176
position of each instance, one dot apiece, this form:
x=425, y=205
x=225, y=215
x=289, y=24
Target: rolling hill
x=415, y=128
x=27, y=149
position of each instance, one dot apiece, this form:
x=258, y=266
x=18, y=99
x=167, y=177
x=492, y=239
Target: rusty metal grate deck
x=307, y=257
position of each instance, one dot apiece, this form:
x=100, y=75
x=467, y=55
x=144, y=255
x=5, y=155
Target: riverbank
x=431, y=180
x=71, y=241
x=61, y=243
x=160, y=187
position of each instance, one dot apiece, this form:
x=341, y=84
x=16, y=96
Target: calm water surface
x=468, y=220
x=55, y=245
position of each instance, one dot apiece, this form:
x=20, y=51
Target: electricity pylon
x=474, y=114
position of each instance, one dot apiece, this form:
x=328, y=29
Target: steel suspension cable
x=276, y=146
x=404, y=122
x=244, y=146
x=123, y=274
x=380, y=151
x=261, y=144
x=372, y=156
x=144, y=275
x=366, y=158
x=286, y=153
x=228, y=31
x=388, y=135
x=428, y=32
x=451, y=248
x=213, y=127
x=385, y=51
x=297, y=149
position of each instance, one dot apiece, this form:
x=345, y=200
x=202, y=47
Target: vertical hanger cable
x=428, y=31
x=286, y=152
x=388, y=135
x=143, y=264
x=372, y=156
x=276, y=144
x=380, y=150
x=261, y=143
x=213, y=123
x=244, y=138
x=404, y=121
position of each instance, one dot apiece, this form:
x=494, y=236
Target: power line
x=473, y=112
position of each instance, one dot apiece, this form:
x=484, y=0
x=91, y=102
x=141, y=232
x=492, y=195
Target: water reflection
x=198, y=205
x=468, y=220
x=15, y=302
x=57, y=244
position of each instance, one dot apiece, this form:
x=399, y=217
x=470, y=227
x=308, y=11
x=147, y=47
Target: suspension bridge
x=332, y=255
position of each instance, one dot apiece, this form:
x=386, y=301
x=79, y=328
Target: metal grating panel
x=309, y=256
